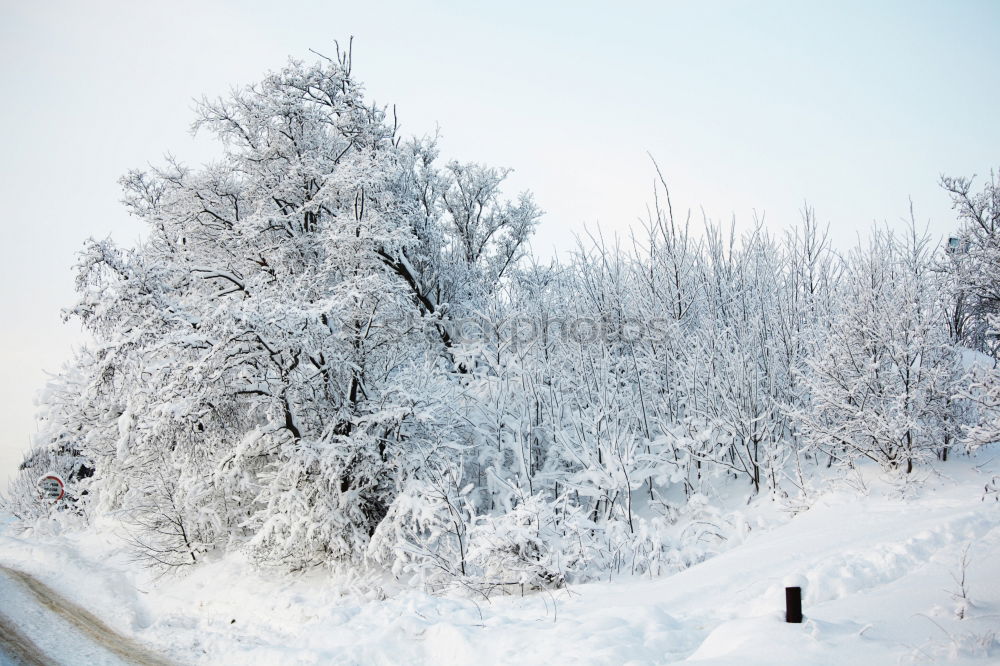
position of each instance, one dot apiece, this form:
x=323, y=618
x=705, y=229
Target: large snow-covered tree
x=271, y=356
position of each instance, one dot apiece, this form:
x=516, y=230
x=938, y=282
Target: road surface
x=38, y=626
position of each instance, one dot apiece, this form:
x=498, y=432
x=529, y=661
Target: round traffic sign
x=51, y=487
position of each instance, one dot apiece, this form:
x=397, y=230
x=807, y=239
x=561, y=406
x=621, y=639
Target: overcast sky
x=747, y=106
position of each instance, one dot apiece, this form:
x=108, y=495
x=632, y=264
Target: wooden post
x=793, y=604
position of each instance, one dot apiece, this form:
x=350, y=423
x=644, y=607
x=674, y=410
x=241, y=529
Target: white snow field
x=879, y=569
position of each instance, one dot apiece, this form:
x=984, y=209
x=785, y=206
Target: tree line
x=332, y=347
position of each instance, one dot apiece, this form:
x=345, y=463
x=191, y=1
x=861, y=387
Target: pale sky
x=748, y=106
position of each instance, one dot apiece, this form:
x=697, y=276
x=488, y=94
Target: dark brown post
x=793, y=604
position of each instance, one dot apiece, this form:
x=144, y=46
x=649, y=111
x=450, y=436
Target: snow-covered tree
x=883, y=384
x=972, y=263
x=270, y=356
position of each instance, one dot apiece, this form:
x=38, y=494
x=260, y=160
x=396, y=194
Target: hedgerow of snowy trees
x=332, y=347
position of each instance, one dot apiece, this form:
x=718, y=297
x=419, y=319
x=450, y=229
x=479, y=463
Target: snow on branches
x=331, y=348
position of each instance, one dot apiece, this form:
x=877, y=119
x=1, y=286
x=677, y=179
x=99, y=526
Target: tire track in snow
x=85, y=622
x=18, y=648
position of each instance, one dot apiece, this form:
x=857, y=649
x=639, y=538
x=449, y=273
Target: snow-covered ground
x=878, y=571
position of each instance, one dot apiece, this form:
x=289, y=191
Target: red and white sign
x=51, y=487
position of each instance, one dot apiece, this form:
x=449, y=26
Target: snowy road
x=39, y=626
x=15, y=647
